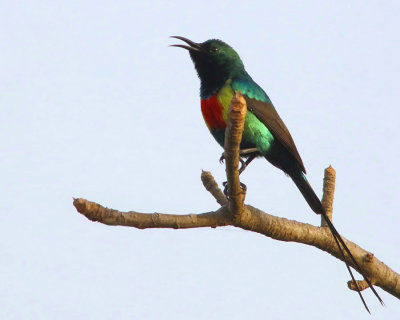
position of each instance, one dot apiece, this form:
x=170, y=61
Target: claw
x=222, y=158
x=225, y=184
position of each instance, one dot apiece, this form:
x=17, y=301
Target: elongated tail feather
x=308, y=193
x=338, y=238
x=315, y=204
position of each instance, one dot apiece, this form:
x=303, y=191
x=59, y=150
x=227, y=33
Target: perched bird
x=221, y=73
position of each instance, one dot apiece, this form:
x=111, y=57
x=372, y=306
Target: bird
x=222, y=73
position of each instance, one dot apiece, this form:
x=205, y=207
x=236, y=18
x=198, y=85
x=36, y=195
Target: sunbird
x=222, y=73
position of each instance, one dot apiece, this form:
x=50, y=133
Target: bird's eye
x=214, y=49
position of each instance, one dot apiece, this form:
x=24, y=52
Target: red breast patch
x=212, y=113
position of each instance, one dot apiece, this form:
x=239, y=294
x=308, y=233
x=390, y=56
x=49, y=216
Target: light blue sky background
x=94, y=104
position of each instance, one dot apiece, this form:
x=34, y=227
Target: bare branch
x=234, y=212
x=95, y=212
x=233, y=137
x=258, y=221
x=288, y=230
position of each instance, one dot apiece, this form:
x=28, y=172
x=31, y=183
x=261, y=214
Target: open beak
x=192, y=46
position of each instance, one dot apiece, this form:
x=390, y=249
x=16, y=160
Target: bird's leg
x=247, y=151
x=246, y=163
x=242, y=185
x=241, y=153
x=243, y=166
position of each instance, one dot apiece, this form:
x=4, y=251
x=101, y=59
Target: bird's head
x=214, y=60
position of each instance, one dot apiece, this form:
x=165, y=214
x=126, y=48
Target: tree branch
x=234, y=212
x=258, y=221
x=233, y=137
x=96, y=212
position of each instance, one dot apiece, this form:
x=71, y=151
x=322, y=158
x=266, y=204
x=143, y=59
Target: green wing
x=266, y=113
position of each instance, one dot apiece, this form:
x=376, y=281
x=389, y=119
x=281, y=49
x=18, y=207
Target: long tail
x=315, y=204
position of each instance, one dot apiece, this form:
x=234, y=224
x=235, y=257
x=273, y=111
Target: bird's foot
x=225, y=184
x=242, y=162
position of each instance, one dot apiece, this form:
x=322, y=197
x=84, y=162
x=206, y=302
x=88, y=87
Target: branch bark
x=328, y=193
x=233, y=137
x=234, y=212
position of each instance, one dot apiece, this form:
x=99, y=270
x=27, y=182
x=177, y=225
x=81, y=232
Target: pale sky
x=95, y=104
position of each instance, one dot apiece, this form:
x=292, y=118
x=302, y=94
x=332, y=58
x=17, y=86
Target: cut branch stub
x=328, y=193
x=212, y=187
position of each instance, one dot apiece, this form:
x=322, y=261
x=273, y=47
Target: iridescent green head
x=215, y=62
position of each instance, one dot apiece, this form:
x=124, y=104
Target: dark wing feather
x=266, y=113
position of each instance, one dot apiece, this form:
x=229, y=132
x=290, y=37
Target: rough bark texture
x=329, y=191
x=233, y=136
x=234, y=212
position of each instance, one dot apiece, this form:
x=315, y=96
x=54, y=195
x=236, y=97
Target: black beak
x=192, y=46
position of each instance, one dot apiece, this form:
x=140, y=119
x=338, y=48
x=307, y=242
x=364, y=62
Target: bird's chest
x=215, y=109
